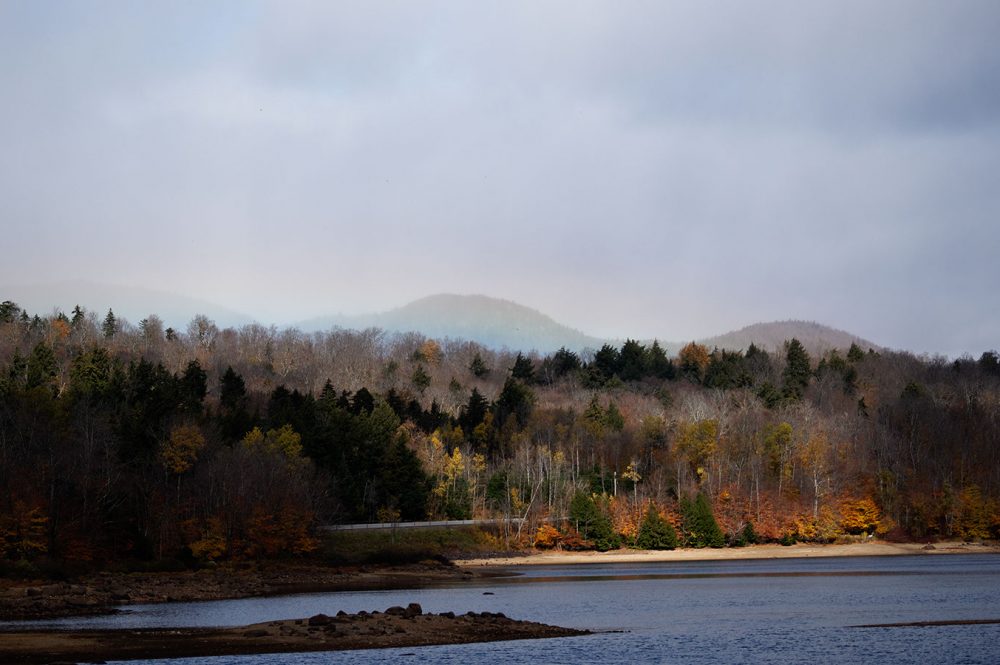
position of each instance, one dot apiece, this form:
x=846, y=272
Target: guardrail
x=415, y=525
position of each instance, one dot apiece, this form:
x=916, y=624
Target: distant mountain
x=129, y=302
x=492, y=322
x=815, y=337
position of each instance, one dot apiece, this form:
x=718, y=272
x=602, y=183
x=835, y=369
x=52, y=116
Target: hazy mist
x=667, y=169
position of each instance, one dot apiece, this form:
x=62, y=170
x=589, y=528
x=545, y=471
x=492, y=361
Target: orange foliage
x=859, y=516
x=547, y=537
x=23, y=531
x=285, y=531
x=573, y=541
x=625, y=517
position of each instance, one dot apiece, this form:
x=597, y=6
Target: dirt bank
x=396, y=627
x=731, y=554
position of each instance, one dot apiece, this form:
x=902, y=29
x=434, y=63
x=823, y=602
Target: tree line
x=143, y=441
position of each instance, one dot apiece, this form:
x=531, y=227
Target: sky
x=642, y=169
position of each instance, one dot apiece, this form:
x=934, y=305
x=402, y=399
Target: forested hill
x=204, y=443
x=492, y=322
x=815, y=337
x=499, y=324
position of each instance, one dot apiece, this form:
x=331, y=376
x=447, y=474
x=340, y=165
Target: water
x=768, y=611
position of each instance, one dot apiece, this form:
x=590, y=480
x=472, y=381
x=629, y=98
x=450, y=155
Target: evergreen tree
x=42, y=368
x=797, y=370
x=9, y=311
x=193, y=387
x=699, y=525
x=420, y=379
x=632, y=360
x=855, y=354
x=473, y=413
x=515, y=401
x=607, y=363
x=79, y=316
x=110, y=325
x=592, y=523
x=657, y=363
x=655, y=533
x=523, y=369
x=478, y=367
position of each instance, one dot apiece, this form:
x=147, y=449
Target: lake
x=761, y=611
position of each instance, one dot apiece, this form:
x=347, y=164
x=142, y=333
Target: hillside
x=815, y=337
x=492, y=322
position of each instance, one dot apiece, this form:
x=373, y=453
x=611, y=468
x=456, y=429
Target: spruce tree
x=700, y=527
x=655, y=533
x=110, y=326
x=797, y=370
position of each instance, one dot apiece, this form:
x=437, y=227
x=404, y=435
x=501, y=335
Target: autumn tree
x=694, y=359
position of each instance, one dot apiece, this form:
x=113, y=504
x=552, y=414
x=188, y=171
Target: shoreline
x=751, y=552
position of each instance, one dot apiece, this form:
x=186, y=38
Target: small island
x=395, y=627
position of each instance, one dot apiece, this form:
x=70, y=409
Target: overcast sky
x=667, y=169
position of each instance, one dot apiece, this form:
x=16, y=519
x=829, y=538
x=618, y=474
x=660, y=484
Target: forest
x=122, y=441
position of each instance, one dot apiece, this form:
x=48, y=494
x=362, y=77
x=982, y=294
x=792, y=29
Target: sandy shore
x=555, y=558
x=396, y=627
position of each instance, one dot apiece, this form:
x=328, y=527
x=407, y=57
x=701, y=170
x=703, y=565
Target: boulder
x=320, y=620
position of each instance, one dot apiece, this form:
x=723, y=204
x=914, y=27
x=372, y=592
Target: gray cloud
x=668, y=169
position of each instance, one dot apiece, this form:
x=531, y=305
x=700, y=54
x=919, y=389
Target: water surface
x=763, y=611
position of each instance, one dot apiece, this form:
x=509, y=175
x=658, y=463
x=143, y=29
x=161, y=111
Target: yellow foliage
x=975, y=514
x=454, y=466
x=516, y=503
x=479, y=463
x=285, y=441
x=547, y=537
x=387, y=515
x=212, y=542
x=180, y=451
x=859, y=516
x=823, y=528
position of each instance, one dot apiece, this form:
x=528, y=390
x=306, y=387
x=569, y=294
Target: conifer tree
x=655, y=533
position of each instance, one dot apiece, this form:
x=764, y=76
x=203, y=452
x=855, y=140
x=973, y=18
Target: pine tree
x=478, y=367
x=700, y=527
x=523, y=369
x=797, y=370
x=655, y=533
x=110, y=326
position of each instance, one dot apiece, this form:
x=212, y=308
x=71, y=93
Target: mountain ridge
x=493, y=322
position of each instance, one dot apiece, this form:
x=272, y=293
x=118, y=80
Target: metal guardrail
x=414, y=525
